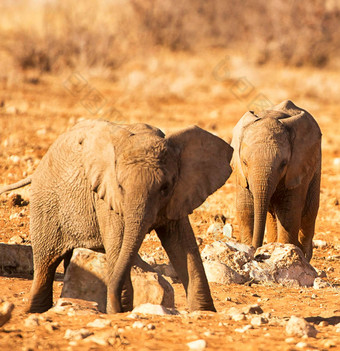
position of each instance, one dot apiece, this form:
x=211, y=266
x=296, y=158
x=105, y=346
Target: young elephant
x=103, y=185
x=277, y=160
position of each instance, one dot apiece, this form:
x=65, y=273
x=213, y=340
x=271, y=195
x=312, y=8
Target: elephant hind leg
x=308, y=218
x=41, y=295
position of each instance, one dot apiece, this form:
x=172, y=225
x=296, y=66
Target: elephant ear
x=247, y=119
x=203, y=168
x=98, y=158
x=306, y=143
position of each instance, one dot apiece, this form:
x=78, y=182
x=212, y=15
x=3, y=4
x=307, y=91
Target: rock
x=149, y=308
x=138, y=325
x=236, y=314
x=319, y=283
x=218, y=272
x=197, y=345
x=336, y=161
x=337, y=326
x=252, y=309
x=281, y=263
x=16, y=200
x=6, y=309
x=301, y=345
x=227, y=231
x=99, y=323
x=75, y=335
x=16, y=239
x=215, y=230
x=320, y=244
x=85, y=279
x=16, y=258
x=32, y=321
x=231, y=254
x=244, y=329
x=258, y=321
x=300, y=327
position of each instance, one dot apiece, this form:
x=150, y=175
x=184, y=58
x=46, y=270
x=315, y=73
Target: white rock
x=138, y=325
x=15, y=159
x=215, y=230
x=6, y=309
x=336, y=161
x=281, y=263
x=218, y=272
x=300, y=327
x=197, y=345
x=319, y=283
x=149, y=308
x=320, y=244
x=32, y=321
x=258, y=321
x=86, y=274
x=301, y=345
x=228, y=231
x=244, y=329
x=77, y=334
x=99, y=323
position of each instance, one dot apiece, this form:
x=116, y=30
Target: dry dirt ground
x=173, y=91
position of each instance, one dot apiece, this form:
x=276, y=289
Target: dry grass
x=54, y=35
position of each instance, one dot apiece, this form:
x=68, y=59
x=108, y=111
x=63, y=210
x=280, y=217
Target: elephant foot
x=113, y=304
x=35, y=308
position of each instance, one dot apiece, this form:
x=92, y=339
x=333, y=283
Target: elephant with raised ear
x=104, y=185
x=277, y=161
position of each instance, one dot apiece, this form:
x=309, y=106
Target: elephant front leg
x=288, y=212
x=179, y=242
x=245, y=214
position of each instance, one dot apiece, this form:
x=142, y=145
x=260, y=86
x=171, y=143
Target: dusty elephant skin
x=277, y=160
x=103, y=185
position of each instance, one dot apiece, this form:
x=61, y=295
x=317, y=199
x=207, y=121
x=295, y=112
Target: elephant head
x=148, y=178
x=273, y=150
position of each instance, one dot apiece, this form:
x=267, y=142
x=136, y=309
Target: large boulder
x=223, y=262
x=281, y=263
x=232, y=262
x=85, y=278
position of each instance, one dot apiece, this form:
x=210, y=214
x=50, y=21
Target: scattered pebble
x=319, y=244
x=244, y=329
x=150, y=308
x=301, y=345
x=32, y=321
x=258, y=321
x=290, y=340
x=99, y=323
x=75, y=335
x=320, y=284
x=197, y=345
x=323, y=324
x=138, y=325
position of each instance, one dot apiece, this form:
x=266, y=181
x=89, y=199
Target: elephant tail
x=19, y=184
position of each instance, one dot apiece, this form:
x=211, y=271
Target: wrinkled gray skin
x=277, y=160
x=107, y=185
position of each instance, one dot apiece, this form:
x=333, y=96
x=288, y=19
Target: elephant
x=277, y=161
x=103, y=185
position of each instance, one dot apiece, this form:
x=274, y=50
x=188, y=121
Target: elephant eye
x=245, y=162
x=165, y=188
x=283, y=164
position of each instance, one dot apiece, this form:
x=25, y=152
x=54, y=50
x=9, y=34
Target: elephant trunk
x=262, y=190
x=136, y=227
